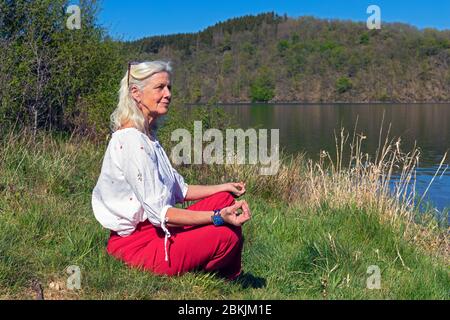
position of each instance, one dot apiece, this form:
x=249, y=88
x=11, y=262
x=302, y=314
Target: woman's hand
x=237, y=214
x=237, y=188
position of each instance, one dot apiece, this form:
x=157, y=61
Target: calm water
x=310, y=129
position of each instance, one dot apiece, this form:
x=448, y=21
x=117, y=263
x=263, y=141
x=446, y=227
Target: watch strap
x=217, y=218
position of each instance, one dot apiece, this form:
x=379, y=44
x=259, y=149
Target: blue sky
x=134, y=19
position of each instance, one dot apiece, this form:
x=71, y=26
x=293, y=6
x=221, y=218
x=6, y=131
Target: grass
x=316, y=229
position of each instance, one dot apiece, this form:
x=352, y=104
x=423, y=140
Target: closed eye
x=161, y=87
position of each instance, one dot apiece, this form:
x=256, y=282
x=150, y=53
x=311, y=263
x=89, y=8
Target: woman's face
x=156, y=95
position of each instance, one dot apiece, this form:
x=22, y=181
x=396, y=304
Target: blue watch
x=217, y=218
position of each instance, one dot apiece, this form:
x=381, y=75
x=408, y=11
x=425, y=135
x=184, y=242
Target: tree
x=58, y=76
x=262, y=89
x=343, y=84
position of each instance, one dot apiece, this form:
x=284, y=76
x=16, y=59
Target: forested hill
x=275, y=58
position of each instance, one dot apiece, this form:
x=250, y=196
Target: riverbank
x=301, y=244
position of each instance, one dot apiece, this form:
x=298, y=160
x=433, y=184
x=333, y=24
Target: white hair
x=127, y=109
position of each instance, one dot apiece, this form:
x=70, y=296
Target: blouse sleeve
x=139, y=165
x=182, y=187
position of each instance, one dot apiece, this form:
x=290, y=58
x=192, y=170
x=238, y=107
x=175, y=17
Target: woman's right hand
x=233, y=216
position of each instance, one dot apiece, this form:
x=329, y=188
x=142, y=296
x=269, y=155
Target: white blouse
x=137, y=183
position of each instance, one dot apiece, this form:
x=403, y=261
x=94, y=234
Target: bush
x=283, y=45
x=263, y=88
x=364, y=39
x=343, y=84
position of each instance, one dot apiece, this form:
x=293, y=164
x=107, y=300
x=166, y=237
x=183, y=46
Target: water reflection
x=311, y=128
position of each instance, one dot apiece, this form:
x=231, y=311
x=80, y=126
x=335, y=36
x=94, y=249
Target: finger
x=246, y=214
x=246, y=210
x=239, y=185
x=239, y=189
x=236, y=205
x=231, y=209
x=243, y=218
x=239, y=210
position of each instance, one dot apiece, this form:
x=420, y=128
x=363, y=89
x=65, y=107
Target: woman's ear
x=136, y=94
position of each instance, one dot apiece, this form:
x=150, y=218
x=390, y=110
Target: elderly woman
x=138, y=188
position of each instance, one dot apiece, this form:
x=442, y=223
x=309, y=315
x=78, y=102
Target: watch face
x=217, y=220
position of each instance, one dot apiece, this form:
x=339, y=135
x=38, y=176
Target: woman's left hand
x=237, y=188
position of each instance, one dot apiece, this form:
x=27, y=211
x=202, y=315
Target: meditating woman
x=138, y=188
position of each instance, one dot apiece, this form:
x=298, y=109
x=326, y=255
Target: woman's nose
x=167, y=92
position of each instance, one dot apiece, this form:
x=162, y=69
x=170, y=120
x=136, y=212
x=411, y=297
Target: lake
x=310, y=128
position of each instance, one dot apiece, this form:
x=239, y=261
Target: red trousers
x=190, y=248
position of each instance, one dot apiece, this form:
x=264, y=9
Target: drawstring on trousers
x=166, y=239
